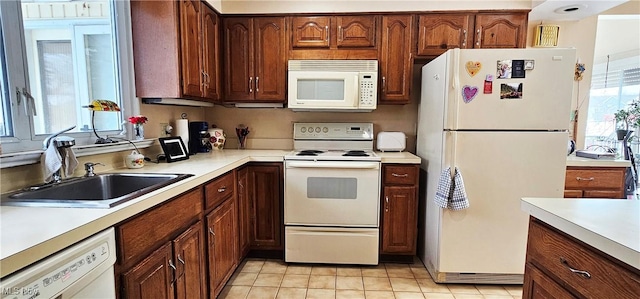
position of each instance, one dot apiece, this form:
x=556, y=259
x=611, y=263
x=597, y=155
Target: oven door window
x=332, y=188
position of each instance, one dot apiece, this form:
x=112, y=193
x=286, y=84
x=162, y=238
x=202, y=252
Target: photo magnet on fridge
x=517, y=69
x=503, y=70
x=511, y=91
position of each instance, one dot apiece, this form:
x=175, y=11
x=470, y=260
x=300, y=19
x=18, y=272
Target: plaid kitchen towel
x=459, y=198
x=445, y=186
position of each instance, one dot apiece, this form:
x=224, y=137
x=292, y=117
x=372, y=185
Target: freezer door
x=539, y=101
x=498, y=168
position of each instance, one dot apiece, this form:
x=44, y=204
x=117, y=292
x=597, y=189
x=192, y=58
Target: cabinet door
x=310, y=32
x=356, y=31
x=152, y=277
x=221, y=226
x=270, y=59
x=500, y=30
x=190, y=46
x=244, y=213
x=439, y=32
x=211, y=53
x=265, y=183
x=539, y=286
x=399, y=220
x=189, y=261
x=238, y=35
x=396, y=62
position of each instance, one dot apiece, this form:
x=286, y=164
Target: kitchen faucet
x=60, y=142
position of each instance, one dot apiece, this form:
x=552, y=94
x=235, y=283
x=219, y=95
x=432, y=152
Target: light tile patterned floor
x=260, y=278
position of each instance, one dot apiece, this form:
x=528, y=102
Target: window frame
x=24, y=138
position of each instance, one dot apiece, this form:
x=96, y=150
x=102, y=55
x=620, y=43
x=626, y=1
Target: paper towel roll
x=182, y=130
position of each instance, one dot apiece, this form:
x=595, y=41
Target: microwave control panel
x=368, y=90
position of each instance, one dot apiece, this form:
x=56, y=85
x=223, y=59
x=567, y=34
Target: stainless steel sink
x=100, y=191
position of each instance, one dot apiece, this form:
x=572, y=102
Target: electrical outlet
x=163, y=130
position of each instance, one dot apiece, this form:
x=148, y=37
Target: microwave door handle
x=357, y=90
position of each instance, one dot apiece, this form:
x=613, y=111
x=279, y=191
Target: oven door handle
x=333, y=164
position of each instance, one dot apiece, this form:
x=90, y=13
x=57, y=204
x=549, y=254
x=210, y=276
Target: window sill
x=33, y=157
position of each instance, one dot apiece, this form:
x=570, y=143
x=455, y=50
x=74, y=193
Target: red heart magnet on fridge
x=468, y=93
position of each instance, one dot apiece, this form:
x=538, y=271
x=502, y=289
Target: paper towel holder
x=174, y=148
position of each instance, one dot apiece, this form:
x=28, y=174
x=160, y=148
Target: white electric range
x=332, y=195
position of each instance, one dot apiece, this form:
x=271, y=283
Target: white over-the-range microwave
x=333, y=85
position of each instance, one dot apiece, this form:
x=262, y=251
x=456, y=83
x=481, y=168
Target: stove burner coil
x=309, y=153
x=356, y=153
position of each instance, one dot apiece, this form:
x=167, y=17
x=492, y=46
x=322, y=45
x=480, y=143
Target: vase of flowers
x=138, y=126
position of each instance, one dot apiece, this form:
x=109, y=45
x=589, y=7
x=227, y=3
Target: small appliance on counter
x=199, y=137
x=391, y=141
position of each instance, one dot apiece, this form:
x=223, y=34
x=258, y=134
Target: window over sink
x=58, y=56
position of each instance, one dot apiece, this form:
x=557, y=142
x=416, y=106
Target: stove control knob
x=317, y=129
x=310, y=129
x=303, y=130
x=325, y=130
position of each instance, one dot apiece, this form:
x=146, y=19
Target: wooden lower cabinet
x=560, y=266
x=175, y=270
x=244, y=212
x=399, y=224
x=265, y=192
x=151, y=278
x=595, y=182
x=221, y=245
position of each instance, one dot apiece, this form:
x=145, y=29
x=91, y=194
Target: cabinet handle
x=400, y=175
x=222, y=189
x=180, y=259
x=583, y=179
x=172, y=265
x=478, y=37
x=326, y=33
x=206, y=75
x=211, y=231
x=584, y=274
x=257, y=84
x=464, y=38
x=384, y=83
x=340, y=35
x=250, y=84
x=386, y=203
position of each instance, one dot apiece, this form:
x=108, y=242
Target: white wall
x=328, y=6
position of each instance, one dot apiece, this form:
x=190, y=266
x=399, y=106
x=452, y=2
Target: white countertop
x=610, y=225
x=28, y=234
x=586, y=162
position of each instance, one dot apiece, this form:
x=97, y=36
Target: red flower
x=138, y=120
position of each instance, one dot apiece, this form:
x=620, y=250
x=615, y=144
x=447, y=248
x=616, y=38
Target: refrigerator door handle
x=454, y=100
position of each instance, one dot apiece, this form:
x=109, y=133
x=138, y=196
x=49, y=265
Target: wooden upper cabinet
x=396, y=62
x=211, y=54
x=501, y=30
x=310, y=32
x=175, y=49
x=334, y=32
x=270, y=59
x=190, y=32
x=439, y=32
x=255, y=59
x=356, y=31
x=238, y=35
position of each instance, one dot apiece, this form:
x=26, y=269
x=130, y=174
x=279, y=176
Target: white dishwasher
x=83, y=270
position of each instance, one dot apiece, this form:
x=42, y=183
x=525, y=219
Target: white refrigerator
x=500, y=116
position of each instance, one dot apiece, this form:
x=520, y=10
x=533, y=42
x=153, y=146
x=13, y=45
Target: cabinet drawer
x=554, y=253
x=603, y=194
x=401, y=174
x=572, y=193
x=577, y=179
x=146, y=232
x=218, y=190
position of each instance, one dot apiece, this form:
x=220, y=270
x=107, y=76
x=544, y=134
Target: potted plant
x=626, y=117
